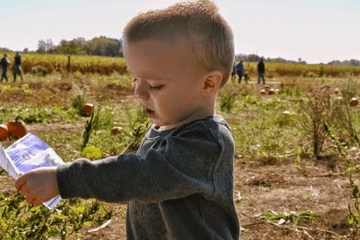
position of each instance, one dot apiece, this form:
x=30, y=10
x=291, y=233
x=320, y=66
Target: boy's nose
x=141, y=90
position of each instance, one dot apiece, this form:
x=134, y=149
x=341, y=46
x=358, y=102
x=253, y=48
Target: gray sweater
x=179, y=184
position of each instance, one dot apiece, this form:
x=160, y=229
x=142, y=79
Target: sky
x=317, y=31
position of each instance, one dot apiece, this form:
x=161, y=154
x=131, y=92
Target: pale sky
x=314, y=30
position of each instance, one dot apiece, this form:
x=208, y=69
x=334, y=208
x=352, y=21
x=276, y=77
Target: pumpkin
x=3, y=132
x=271, y=91
x=354, y=102
x=263, y=92
x=277, y=91
x=87, y=109
x=116, y=130
x=336, y=91
x=17, y=128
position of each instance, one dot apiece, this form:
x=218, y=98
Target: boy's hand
x=39, y=185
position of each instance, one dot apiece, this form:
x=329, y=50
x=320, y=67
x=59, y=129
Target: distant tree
x=5, y=50
x=41, y=46
x=45, y=46
x=351, y=62
x=26, y=50
x=104, y=46
x=72, y=47
x=354, y=62
x=253, y=58
x=49, y=45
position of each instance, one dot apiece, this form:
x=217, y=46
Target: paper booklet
x=28, y=153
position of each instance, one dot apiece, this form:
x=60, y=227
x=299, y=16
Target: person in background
x=4, y=62
x=233, y=72
x=17, y=68
x=240, y=70
x=261, y=71
x=179, y=184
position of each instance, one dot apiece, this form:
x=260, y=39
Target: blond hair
x=197, y=25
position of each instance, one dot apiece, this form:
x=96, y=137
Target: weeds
x=227, y=102
x=316, y=110
x=21, y=221
x=352, y=167
x=78, y=101
x=288, y=217
x=87, y=131
x=346, y=117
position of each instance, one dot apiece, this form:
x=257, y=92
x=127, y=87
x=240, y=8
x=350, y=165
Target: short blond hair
x=195, y=24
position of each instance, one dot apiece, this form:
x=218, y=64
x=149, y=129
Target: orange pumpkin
x=3, y=132
x=271, y=91
x=354, y=102
x=17, y=128
x=263, y=92
x=116, y=130
x=87, y=109
x=336, y=91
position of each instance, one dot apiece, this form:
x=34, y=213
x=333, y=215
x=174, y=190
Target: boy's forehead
x=141, y=56
x=144, y=73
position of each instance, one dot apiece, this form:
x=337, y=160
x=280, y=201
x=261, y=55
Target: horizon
x=316, y=31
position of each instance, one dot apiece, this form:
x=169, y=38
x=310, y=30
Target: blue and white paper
x=26, y=154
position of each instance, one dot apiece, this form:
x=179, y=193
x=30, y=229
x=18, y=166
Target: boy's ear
x=212, y=82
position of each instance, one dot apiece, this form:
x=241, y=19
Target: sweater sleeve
x=174, y=167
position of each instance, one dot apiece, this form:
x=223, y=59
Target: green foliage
x=36, y=115
x=91, y=153
x=78, y=101
x=352, y=168
x=39, y=71
x=288, y=217
x=87, y=131
x=101, y=46
x=21, y=221
x=66, y=113
x=39, y=115
x=346, y=118
x=227, y=102
x=73, y=47
x=103, y=118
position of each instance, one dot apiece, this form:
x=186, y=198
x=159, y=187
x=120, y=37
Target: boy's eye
x=159, y=87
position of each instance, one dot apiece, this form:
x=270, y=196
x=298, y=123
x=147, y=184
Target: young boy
x=179, y=184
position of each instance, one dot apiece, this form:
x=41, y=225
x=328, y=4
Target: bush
x=39, y=71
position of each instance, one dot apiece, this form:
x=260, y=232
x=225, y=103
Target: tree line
x=103, y=46
x=98, y=46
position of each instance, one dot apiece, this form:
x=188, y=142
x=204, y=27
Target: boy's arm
x=182, y=166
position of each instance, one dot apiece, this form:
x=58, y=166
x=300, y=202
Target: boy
x=179, y=184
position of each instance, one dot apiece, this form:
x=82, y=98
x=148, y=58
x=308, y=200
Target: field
x=292, y=175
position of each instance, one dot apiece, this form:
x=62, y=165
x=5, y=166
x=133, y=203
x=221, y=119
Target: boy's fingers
x=20, y=183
